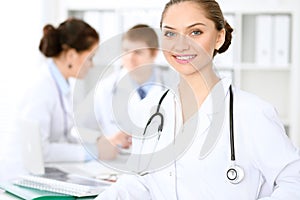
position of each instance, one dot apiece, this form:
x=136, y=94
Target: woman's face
x=189, y=38
x=83, y=62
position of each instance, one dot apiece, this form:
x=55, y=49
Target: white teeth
x=184, y=57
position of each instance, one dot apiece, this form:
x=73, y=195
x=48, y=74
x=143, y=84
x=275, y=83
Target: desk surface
x=93, y=169
x=6, y=196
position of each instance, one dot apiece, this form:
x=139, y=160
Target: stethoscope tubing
x=232, y=148
x=62, y=105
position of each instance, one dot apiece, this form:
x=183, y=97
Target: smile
x=183, y=59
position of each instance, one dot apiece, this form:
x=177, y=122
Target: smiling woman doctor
x=246, y=154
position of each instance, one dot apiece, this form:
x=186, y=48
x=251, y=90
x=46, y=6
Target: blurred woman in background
x=48, y=101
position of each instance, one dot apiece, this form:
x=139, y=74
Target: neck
x=141, y=74
x=62, y=67
x=194, y=89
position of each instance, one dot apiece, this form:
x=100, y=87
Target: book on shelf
x=263, y=36
x=281, y=39
x=272, y=44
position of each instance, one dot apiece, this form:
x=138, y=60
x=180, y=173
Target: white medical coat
x=41, y=103
x=270, y=162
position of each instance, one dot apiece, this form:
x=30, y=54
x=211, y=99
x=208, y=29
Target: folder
x=263, y=35
x=281, y=39
x=34, y=194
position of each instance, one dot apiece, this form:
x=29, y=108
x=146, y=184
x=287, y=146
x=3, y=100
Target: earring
x=69, y=66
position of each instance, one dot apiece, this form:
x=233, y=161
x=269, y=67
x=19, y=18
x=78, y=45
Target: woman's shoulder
x=39, y=86
x=248, y=102
x=41, y=81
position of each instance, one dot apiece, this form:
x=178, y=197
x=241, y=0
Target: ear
x=71, y=54
x=220, y=39
x=154, y=53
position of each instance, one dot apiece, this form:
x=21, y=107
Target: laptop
x=33, y=162
x=32, y=154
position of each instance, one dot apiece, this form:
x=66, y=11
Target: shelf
x=269, y=67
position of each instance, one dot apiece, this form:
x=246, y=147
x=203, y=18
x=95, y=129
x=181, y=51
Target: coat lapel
x=213, y=114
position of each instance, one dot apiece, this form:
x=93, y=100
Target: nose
x=127, y=59
x=129, y=56
x=181, y=44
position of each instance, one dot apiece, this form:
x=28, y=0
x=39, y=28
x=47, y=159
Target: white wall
x=21, y=29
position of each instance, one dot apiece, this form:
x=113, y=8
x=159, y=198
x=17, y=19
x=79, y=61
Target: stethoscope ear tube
x=157, y=113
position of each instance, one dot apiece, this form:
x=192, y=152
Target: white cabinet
x=266, y=55
x=263, y=58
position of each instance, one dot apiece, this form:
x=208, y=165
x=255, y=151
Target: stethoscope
x=235, y=174
x=62, y=105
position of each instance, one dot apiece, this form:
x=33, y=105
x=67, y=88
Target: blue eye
x=169, y=34
x=196, y=32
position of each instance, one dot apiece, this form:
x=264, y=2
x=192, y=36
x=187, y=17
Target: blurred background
x=264, y=57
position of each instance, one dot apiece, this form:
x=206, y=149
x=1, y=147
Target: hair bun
x=48, y=29
x=228, y=38
x=49, y=44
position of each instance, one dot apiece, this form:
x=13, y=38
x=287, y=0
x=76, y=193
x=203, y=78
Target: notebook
x=70, y=184
x=19, y=192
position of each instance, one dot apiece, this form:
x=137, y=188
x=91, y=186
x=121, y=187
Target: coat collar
x=214, y=102
x=209, y=120
x=214, y=108
x=60, y=81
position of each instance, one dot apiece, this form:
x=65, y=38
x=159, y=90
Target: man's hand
x=121, y=139
x=108, y=147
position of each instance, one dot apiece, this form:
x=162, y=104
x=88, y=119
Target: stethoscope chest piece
x=235, y=174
